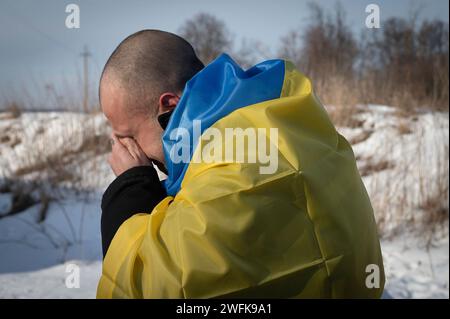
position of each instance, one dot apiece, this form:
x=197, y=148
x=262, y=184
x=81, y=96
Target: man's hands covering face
x=125, y=154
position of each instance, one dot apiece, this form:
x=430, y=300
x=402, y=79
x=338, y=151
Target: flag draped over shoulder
x=226, y=230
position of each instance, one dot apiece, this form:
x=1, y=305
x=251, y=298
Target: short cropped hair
x=149, y=63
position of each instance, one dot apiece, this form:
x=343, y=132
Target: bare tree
x=412, y=60
x=329, y=44
x=326, y=46
x=250, y=52
x=291, y=47
x=208, y=35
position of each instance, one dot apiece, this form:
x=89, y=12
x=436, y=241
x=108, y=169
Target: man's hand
x=125, y=154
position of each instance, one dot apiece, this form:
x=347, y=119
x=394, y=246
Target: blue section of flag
x=213, y=93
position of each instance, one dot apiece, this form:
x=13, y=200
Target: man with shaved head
x=224, y=225
x=144, y=78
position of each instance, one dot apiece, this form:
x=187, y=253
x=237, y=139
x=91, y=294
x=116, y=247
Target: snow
x=50, y=282
x=71, y=230
x=63, y=142
x=6, y=201
x=36, y=257
x=405, y=158
x=413, y=271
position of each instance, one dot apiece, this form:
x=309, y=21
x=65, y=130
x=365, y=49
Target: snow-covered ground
x=72, y=147
x=36, y=259
x=414, y=271
x=403, y=160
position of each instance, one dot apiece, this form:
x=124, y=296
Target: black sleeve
x=138, y=190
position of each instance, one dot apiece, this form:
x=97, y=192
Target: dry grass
x=404, y=128
x=371, y=167
x=11, y=111
x=361, y=137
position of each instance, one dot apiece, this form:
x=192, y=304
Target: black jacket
x=138, y=190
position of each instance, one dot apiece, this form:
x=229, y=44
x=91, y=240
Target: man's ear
x=167, y=102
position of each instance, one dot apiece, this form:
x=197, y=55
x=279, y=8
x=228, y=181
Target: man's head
x=143, y=78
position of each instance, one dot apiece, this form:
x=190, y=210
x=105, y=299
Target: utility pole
x=85, y=54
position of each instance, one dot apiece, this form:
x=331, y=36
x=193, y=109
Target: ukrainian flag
x=306, y=230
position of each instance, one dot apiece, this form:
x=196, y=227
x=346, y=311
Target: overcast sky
x=35, y=45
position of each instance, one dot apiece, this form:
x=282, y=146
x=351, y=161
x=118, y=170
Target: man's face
x=143, y=128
